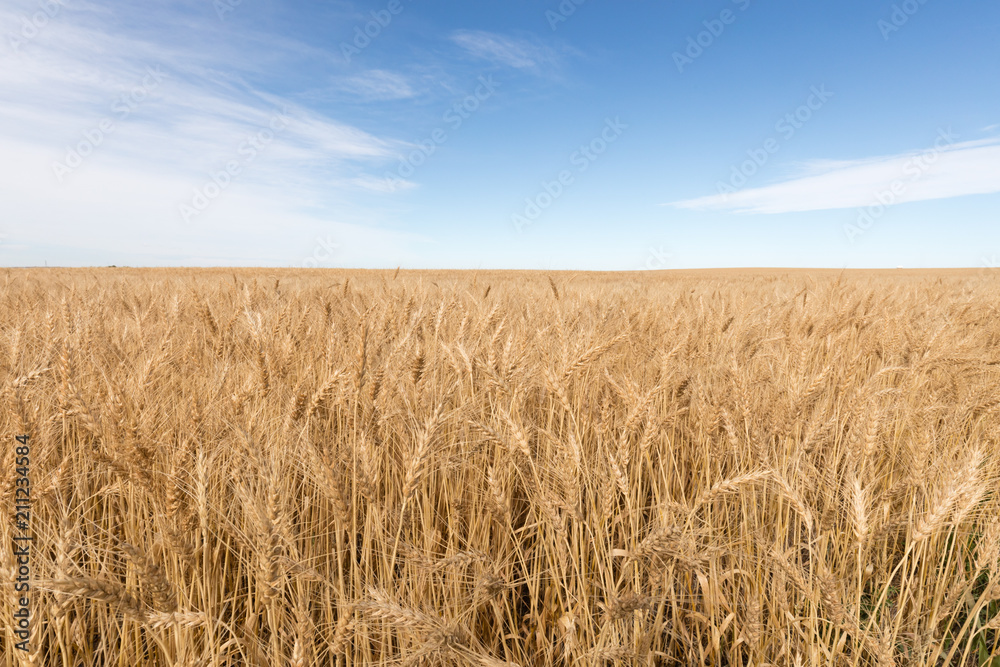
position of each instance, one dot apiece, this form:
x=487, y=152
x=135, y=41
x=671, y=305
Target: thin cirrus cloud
x=191, y=111
x=386, y=185
x=528, y=55
x=378, y=85
x=942, y=171
x=78, y=77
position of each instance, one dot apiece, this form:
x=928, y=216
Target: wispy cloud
x=525, y=54
x=383, y=185
x=82, y=84
x=378, y=85
x=940, y=172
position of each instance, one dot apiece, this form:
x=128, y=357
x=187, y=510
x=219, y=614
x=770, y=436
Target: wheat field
x=267, y=467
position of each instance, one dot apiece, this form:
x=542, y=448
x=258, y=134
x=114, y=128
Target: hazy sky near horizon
x=581, y=134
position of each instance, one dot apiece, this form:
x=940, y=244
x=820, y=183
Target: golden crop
x=264, y=468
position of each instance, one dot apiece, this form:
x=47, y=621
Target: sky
x=522, y=134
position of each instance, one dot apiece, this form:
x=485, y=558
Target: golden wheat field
x=265, y=467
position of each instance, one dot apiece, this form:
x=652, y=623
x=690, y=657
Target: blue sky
x=500, y=134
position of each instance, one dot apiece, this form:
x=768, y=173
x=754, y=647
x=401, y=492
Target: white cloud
x=113, y=209
x=942, y=171
x=78, y=82
x=392, y=183
x=523, y=54
x=376, y=85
